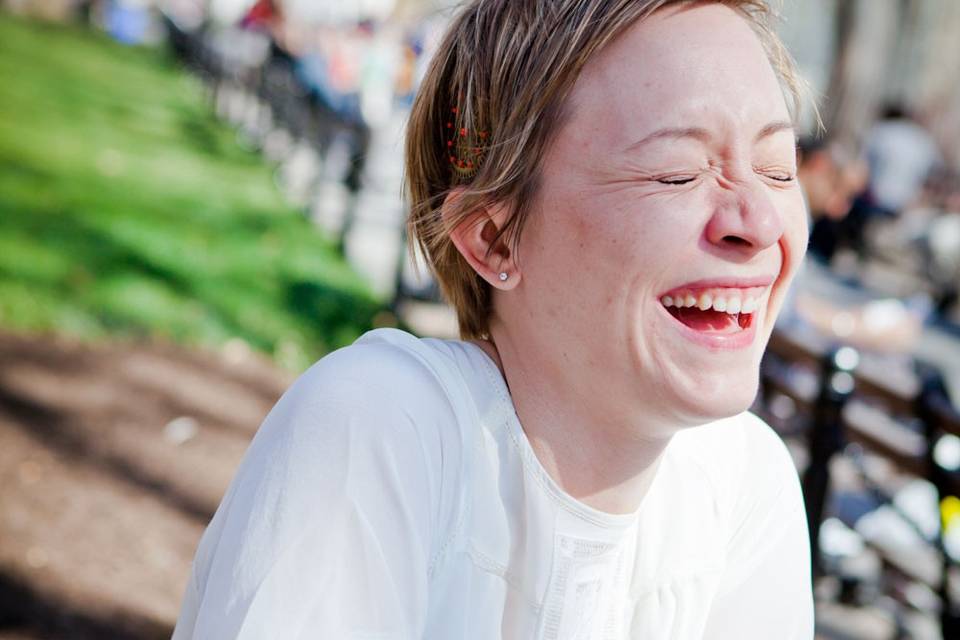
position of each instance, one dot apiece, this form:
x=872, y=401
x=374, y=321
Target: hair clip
x=463, y=151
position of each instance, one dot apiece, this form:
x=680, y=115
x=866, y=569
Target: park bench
x=890, y=422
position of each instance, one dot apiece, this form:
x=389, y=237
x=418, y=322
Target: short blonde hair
x=496, y=91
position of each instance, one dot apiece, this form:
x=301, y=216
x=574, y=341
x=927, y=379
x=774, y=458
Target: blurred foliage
x=127, y=209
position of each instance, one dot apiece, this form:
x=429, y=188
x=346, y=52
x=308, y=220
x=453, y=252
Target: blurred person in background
x=901, y=156
x=405, y=83
x=831, y=179
x=263, y=15
x=930, y=231
x=607, y=194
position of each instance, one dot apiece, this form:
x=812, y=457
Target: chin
x=718, y=397
x=700, y=379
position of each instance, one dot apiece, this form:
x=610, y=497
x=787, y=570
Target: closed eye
x=683, y=180
x=776, y=173
x=782, y=177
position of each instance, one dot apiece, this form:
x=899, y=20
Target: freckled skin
x=608, y=235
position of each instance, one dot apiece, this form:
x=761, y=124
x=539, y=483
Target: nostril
x=736, y=240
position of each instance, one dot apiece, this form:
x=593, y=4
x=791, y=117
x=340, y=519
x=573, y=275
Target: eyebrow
x=772, y=128
x=701, y=134
x=672, y=133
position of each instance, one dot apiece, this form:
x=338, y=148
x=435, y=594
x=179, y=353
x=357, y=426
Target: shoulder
x=764, y=455
x=385, y=379
x=767, y=498
x=743, y=442
x=383, y=361
x=744, y=460
x=376, y=404
x=751, y=435
x=765, y=589
x=382, y=403
x=355, y=466
x=368, y=420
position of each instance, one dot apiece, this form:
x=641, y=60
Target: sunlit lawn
x=127, y=209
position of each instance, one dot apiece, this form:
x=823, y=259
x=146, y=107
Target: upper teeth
x=730, y=304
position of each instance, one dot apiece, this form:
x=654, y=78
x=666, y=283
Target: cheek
x=796, y=229
x=576, y=239
x=641, y=237
x=557, y=257
x=597, y=247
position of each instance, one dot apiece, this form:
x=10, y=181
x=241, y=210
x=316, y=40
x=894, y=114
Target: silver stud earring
x=503, y=275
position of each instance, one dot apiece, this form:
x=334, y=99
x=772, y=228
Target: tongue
x=709, y=320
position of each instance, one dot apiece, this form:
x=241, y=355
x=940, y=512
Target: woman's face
x=672, y=182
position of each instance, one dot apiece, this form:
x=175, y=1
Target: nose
x=745, y=220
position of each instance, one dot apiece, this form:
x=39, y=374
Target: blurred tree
x=865, y=34
x=904, y=51
x=937, y=73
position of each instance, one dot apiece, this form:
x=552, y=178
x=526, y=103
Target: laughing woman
x=606, y=191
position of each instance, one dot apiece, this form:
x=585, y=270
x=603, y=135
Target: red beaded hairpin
x=464, y=152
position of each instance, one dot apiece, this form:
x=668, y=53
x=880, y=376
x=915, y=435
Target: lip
x=721, y=342
x=722, y=283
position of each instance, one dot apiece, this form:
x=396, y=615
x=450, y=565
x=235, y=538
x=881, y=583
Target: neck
x=604, y=458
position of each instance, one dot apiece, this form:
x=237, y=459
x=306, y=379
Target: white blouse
x=392, y=494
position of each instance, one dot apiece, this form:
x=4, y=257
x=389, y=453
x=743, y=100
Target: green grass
x=126, y=209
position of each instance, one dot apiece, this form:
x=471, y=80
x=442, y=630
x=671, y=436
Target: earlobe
x=475, y=236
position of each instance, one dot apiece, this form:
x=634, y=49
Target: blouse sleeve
x=766, y=589
x=329, y=526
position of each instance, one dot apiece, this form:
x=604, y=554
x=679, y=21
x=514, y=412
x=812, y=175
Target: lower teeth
x=711, y=320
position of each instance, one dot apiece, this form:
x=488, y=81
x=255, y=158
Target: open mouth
x=717, y=311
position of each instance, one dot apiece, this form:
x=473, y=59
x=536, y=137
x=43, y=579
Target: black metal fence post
x=826, y=438
x=933, y=393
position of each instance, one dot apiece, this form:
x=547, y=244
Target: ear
x=474, y=236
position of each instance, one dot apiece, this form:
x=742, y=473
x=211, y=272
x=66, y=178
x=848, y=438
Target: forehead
x=700, y=65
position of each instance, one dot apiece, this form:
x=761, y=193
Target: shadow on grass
x=327, y=306
x=20, y=171
x=101, y=264
x=206, y=135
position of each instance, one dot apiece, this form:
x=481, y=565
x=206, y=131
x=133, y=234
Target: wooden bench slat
x=877, y=431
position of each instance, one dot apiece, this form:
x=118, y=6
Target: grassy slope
x=126, y=209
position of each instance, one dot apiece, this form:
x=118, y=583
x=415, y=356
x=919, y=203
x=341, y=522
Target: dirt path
x=112, y=460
